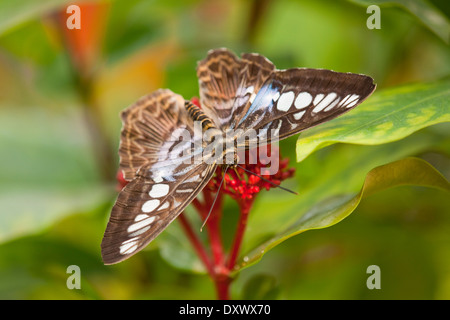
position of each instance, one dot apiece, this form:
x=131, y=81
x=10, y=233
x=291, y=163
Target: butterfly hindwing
x=227, y=83
x=218, y=76
x=149, y=130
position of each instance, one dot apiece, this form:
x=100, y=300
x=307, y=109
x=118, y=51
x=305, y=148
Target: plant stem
x=197, y=244
x=213, y=229
x=221, y=273
x=223, y=287
x=219, y=268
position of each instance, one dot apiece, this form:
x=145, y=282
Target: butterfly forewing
x=294, y=100
x=147, y=205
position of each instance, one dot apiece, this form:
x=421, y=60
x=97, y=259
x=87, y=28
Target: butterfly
x=236, y=94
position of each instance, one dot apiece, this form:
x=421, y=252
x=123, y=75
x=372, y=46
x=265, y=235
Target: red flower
x=245, y=182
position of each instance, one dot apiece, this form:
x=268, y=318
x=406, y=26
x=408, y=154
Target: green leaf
x=48, y=170
x=409, y=171
x=260, y=287
x=36, y=266
x=430, y=16
x=178, y=251
x=389, y=115
x=337, y=170
x=29, y=210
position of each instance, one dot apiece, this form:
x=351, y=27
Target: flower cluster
x=247, y=180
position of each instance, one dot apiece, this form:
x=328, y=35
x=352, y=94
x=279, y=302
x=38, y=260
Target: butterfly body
x=214, y=138
x=198, y=115
x=170, y=148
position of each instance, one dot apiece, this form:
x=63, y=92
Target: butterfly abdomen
x=197, y=114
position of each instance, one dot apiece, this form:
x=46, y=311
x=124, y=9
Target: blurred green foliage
x=58, y=145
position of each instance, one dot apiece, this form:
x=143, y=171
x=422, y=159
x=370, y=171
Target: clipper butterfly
x=161, y=145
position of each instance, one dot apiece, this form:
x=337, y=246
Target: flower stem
x=223, y=287
x=196, y=243
x=221, y=272
x=213, y=229
x=215, y=265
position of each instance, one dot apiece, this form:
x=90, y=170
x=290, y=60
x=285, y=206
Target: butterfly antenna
x=272, y=183
x=215, y=199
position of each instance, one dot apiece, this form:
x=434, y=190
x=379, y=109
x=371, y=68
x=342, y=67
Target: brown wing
x=159, y=155
x=148, y=204
x=294, y=100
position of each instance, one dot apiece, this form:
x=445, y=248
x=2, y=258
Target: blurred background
x=61, y=92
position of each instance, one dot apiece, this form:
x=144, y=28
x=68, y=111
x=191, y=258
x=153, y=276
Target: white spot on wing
x=352, y=101
x=285, y=101
x=332, y=105
x=318, y=98
x=140, y=217
x=176, y=203
x=140, y=224
x=325, y=102
x=128, y=246
x=139, y=232
x=130, y=240
x=150, y=205
x=344, y=101
x=303, y=100
x=275, y=96
x=164, y=206
x=299, y=115
x=159, y=190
